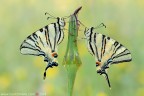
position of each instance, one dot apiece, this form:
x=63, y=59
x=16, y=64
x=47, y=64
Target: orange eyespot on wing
x=54, y=54
x=98, y=63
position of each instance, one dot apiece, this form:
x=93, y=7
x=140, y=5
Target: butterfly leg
x=50, y=65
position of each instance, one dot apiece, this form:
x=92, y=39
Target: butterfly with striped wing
x=106, y=51
x=44, y=42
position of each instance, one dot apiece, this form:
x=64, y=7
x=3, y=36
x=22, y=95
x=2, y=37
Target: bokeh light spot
x=141, y=77
x=52, y=72
x=5, y=82
x=101, y=94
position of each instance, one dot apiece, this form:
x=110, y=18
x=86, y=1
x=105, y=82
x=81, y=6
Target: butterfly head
x=61, y=21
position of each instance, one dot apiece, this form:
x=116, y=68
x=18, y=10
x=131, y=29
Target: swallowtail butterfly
x=44, y=42
x=106, y=51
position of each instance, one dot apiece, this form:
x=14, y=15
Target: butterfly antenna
x=107, y=78
x=50, y=16
x=101, y=25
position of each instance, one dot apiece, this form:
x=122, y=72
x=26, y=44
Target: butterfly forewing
x=44, y=40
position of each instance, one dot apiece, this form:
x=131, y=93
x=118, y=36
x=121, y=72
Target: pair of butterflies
x=44, y=42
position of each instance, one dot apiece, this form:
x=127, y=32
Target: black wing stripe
x=59, y=36
x=29, y=44
x=35, y=36
x=29, y=37
x=41, y=41
x=103, y=36
x=115, y=49
x=55, y=35
x=127, y=60
x=122, y=52
x=62, y=37
x=91, y=35
x=120, y=45
x=30, y=48
x=104, y=46
x=41, y=53
x=91, y=48
x=37, y=46
x=48, y=36
x=115, y=45
x=125, y=52
x=96, y=47
x=120, y=55
x=35, y=54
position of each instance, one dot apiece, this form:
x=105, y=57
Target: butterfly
x=106, y=51
x=44, y=42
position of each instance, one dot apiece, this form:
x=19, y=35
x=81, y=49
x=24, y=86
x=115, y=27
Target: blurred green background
x=24, y=74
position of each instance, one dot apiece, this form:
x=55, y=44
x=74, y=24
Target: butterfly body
x=106, y=51
x=44, y=42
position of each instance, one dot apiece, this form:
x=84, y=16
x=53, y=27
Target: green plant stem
x=72, y=60
x=71, y=71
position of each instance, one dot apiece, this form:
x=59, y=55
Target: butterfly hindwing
x=42, y=41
